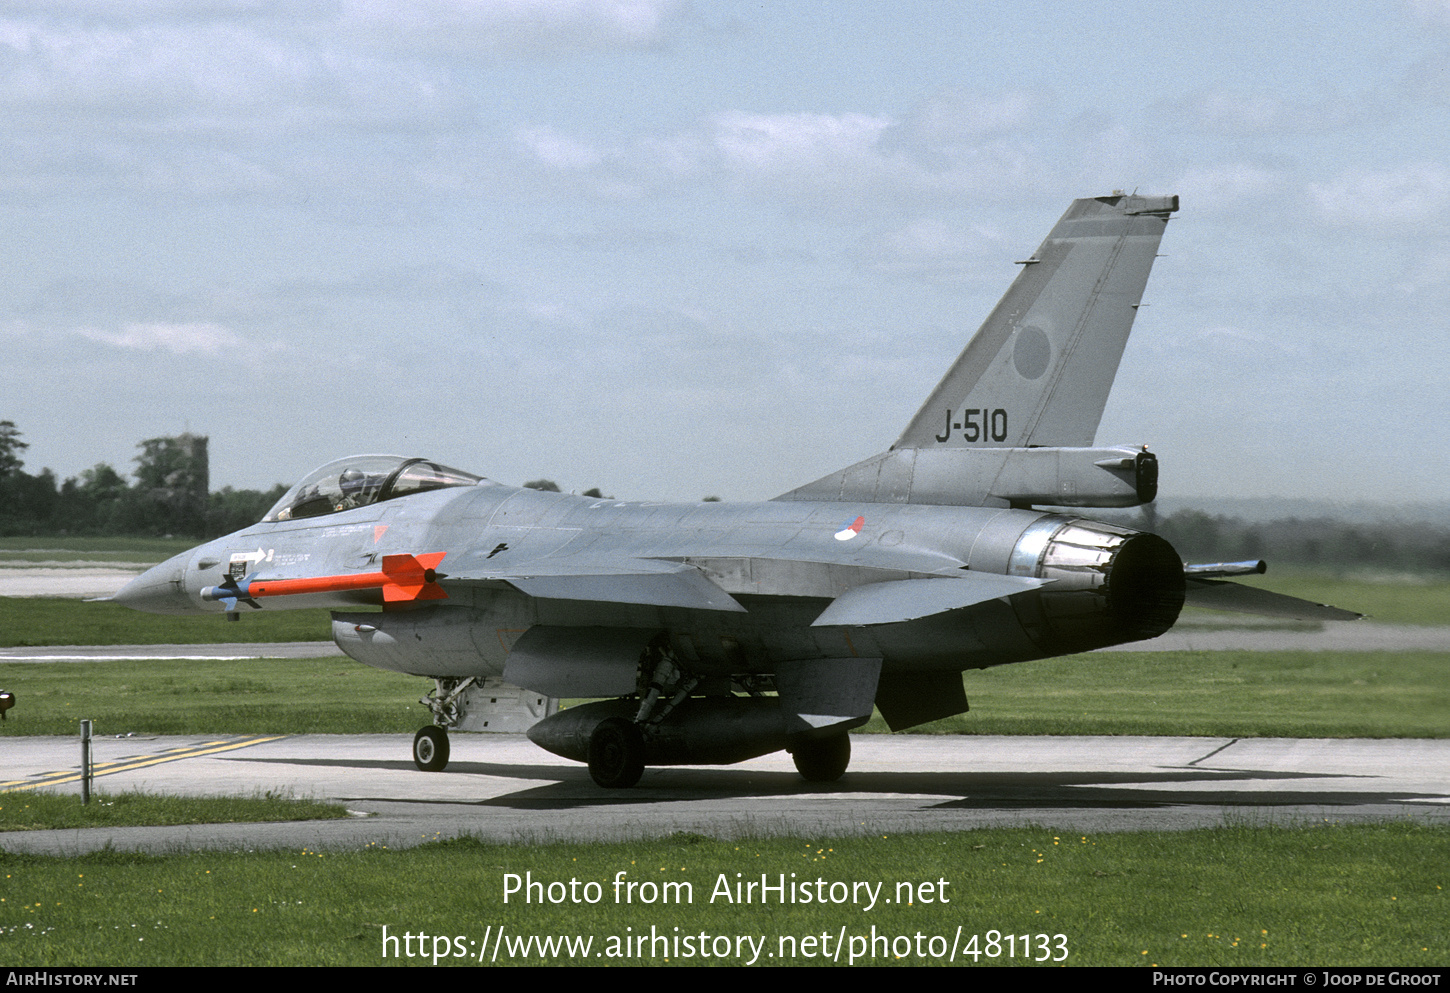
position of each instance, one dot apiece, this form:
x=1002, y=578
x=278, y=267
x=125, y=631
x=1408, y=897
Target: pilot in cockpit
x=358, y=488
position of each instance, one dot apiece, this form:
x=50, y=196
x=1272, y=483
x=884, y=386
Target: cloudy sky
x=674, y=249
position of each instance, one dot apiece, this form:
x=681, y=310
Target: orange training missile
x=404, y=577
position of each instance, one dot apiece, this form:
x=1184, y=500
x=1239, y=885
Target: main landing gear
x=616, y=753
x=617, y=745
x=823, y=760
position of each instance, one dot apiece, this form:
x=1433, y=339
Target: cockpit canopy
x=361, y=480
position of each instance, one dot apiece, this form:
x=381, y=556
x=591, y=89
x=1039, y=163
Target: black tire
x=430, y=749
x=616, y=754
x=823, y=761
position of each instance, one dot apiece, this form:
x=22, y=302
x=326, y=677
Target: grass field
x=149, y=550
x=1337, y=895
x=37, y=621
x=263, y=696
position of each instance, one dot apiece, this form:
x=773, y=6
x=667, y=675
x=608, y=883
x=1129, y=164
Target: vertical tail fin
x=1039, y=370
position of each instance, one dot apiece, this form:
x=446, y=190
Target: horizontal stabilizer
x=907, y=599
x=1216, y=570
x=1214, y=594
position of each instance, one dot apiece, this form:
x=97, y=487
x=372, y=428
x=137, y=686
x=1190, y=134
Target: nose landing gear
x=430, y=749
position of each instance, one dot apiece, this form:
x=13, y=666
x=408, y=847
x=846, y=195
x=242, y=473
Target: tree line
x=170, y=494
x=1317, y=541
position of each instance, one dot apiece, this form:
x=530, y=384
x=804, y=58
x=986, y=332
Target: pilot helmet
x=353, y=482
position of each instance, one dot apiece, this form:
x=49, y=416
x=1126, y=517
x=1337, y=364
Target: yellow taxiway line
x=137, y=762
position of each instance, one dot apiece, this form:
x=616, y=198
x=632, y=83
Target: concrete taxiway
x=501, y=787
x=224, y=652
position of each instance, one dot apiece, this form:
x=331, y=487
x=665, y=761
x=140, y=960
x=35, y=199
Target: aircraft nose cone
x=159, y=590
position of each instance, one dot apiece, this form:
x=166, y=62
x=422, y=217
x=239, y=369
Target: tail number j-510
x=977, y=424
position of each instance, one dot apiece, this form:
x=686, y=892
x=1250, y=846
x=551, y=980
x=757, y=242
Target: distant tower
x=175, y=476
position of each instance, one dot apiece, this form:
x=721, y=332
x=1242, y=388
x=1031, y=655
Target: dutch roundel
x=850, y=529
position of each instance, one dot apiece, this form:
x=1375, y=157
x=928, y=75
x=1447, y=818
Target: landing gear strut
x=430, y=749
x=617, y=746
x=430, y=745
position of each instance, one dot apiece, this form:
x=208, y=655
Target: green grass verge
x=258, y=696
x=1336, y=895
x=37, y=810
x=151, y=550
x=40, y=621
x=1220, y=694
x=1228, y=694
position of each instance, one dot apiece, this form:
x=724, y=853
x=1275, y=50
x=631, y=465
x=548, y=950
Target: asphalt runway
x=502, y=787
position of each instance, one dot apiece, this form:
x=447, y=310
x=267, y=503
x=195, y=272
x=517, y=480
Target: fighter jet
x=715, y=632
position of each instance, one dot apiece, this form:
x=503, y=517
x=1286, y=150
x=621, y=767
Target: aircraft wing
x=637, y=581
x=860, y=595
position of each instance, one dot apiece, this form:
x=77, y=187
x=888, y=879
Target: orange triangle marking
x=378, y=530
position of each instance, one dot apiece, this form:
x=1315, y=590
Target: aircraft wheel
x=430, y=749
x=823, y=761
x=616, y=754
